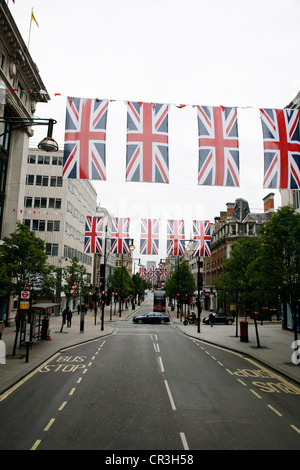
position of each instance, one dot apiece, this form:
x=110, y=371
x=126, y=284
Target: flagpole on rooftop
x=30, y=28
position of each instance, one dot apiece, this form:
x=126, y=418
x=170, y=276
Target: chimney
x=269, y=204
x=230, y=206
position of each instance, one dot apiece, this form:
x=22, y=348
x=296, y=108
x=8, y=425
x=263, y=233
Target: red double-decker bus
x=159, y=301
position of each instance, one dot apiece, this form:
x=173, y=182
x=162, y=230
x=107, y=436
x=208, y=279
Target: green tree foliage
x=121, y=282
x=233, y=283
x=181, y=282
x=74, y=280
x=23, y=262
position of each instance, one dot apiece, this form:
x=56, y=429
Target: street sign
x=25, y=294
x=24, y=305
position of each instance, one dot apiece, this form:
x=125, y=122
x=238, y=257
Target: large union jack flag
x=201, y=235
x=218, y=146
x=85, y=139
x=120, y=235
x=149, y=239
x=281, y=136
x=93, y=234
x=175, y=237
x=147, y=152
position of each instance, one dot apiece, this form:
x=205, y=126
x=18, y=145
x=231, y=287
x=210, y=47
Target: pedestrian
x=211, y=319
x=69, y=318
x=64, y=315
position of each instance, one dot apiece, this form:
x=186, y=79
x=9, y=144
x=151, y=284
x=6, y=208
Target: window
x=52, y=249
x=31, y=159
x=45, y=180
x=43, y=160
x=29, y=180
x=40, y=202
x=57, y=160
x=28, y=201
x=53, y=226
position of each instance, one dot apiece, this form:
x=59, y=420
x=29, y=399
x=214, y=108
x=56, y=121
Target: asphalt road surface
x=150, y=387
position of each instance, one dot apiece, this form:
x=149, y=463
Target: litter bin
x=45, y=328
x=244, y=331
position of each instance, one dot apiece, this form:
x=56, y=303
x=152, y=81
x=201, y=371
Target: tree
x=181, y=282
x=234, y=282
x=278, y=265
x=74, y=280
x=121, y=282
x=23, y=262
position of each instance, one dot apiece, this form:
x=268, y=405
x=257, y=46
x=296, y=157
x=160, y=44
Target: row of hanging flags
x=149, y=236
x=147, y=146
x=153, y=273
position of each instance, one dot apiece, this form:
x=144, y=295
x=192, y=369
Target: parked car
x=152, y=317
x=220, y=318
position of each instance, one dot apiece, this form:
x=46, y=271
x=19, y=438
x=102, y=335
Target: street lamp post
x=48, y=144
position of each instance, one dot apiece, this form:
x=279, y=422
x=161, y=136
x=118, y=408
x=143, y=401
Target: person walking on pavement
x=69, y=318
x=211, y=319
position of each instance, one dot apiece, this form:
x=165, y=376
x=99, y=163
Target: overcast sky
x=242, y=53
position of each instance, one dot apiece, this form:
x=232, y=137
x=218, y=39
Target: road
x=150, y=387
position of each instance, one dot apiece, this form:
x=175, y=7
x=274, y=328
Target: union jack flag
x=152, y=273
x=281, y=136
x=218, y=146
x=93, y=234
x=201, y=233
x=149, y=240
x=147, y=152
x=163, y=273
x=85, y=139
x=175, y=237
x=143, y=272
x=120, y=235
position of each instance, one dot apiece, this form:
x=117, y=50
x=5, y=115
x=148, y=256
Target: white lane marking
x=170, y=396
x=184, y=441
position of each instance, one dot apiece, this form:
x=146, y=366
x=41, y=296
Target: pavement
x=275, y=349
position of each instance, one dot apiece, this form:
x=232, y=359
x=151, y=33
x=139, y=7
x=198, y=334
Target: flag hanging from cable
x=120, y=235
x=149, y=239
x=201, y=236
x=85, y=139
x=93, y=234
x=175, y=237
x=147, y=150
x=281, y=137
x=218, y=146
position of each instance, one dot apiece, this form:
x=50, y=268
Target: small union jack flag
x=85, y=139
x=201, y=233
x=93, y=234
x=143, y=272
x=175, y=237
x=163, y=273
x=120, y=235
x=149, y=239
x=153, y=273
x=147, y=152
x=218, y=146
x=281, y=136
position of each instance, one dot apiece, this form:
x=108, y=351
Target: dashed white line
x=184, y=441
x=170, y=396
x=161, y=364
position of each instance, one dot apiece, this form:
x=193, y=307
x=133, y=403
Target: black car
x=152, y=317
x=220, y=318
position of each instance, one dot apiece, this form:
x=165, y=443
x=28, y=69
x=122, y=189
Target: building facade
x=229, y=226
x=56, y=208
